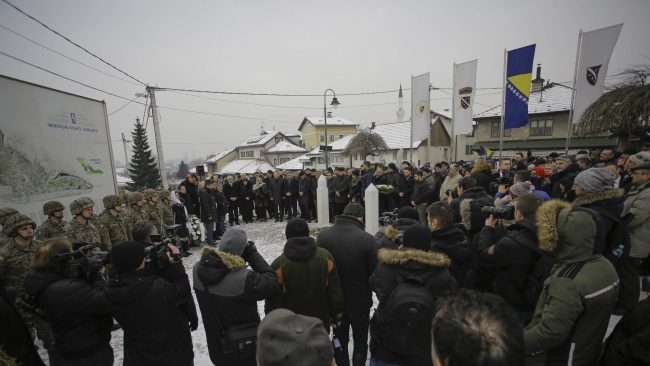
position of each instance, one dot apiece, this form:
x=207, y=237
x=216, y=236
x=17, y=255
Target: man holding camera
x=73, y=305
x=228, y=293
x=53, y=226
x=156, y=331
x=451, y=181
x=514, y=255
x=467, y=207
x=80, y=227
x=15, y=262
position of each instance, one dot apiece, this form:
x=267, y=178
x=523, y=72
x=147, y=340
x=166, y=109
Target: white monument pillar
x=323, y=202
x=372, y=209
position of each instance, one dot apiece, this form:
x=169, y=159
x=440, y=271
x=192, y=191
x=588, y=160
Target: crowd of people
x=509, y=262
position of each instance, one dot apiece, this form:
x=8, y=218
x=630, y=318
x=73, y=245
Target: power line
x=67, y=39
x=269, y=94
x=129, y=102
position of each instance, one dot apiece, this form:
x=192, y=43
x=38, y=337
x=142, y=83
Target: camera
x=399, y=239
x=156, y=254
x=83, y=261
x=388, y=218
x=507, y=179
x=506, y=213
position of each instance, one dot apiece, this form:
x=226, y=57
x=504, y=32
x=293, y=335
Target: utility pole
x=156, y=128
x=126, y=155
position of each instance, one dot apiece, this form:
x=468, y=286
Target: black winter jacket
x=452, y=241
x=465, y=213
x=292, y=187
x=610, y=200
x=342, y=186
x=355, y=253
x=277, y=190
x=410, y=264
x=628, y=343
x=304, y=186
x=246, y=191
x=420, y=192
x=386, y=238
x=481, y=173
x=228, y=292
x=15, y=338
x=406, y=187
x=193, y=192
x=75, y=310
x=208, y=206
x=570, y=172
x=514, y=256
x=156, y=331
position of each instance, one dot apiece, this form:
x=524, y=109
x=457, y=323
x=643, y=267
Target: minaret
x=400, y=105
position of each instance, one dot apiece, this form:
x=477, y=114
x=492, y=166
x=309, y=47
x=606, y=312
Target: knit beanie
x=444, y=171
x=595, y=180
x=127, y=256
x=417, y=236
x=234, y=241
x=408, y=212
x=296, y=228
x=354, y=209
x=640, y=158
x=520, y=188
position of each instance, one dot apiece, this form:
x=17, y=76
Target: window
x=445, y=153
x=340, y=137
x=372, y=158
x=468, y=149
x=243, y=154
x=321, y=160
x=356, y=156
x=331, y=137
x=275, y=162
x=394, y=155
x=322, y=138
x=278, y=139
x=495, y=129
x=250, y=154
x=261, y=153
x=541, y=128
x=309, y=163
x=506, y=132
x=405, y=155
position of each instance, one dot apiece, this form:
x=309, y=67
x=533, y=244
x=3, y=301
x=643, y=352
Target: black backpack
x=619, y=234
x=540, y=272
x=406, y=318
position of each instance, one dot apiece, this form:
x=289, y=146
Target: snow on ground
x=269, y=239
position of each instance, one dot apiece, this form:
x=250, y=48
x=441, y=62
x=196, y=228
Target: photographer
x=501, y=200
x=73, y=306
x=388, y=237
x=514, y=255
x=449, y=238
x=156, y=332
x=451, y=180
x=228, y=292
x=467, y=207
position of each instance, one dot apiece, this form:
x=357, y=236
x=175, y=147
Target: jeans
x=377, y=362
x=222, y=224
x=209, y=230
x=422, y=212
x=359, y=324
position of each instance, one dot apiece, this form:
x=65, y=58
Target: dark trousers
x=340, y=207
x=260, y=212
x=278, y=210
x=209, y=231
x=292, y=210
x=103, y=357
x=221, y=227
x=233, y=212
x=359, y=324
x=393, y=202
x=304, y=212
x=630, y=290
x=312, y=209
x=271, y=211
x=332, y=210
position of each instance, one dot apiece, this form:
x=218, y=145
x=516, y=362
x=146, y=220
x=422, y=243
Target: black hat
x=417, y=236
x=553, y=155
x=354, y=209
x=425, y=169
x=296, y=228
x=582, y=152
x=392, y=166
x=540, y=161
x=127, y=256
x=356, y=172
x=630, y=151
x=408, y=212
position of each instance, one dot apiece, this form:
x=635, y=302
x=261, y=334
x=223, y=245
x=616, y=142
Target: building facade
x=312, y=130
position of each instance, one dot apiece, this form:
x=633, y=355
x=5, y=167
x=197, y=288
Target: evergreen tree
x=183, y=169
x=143, y=169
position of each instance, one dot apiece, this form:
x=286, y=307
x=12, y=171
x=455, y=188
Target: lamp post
x=335, y=103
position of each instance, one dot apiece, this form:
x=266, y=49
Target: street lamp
x=335, y=103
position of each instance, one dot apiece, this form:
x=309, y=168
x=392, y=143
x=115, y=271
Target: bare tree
x=365, y=143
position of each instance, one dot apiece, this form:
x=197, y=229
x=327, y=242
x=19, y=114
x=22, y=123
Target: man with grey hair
x=451, y=181
x=566, y=170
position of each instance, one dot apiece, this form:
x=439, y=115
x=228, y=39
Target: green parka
x=573, y=311
x=637, y=202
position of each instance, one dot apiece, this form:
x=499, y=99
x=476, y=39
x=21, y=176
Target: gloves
x=248, y=250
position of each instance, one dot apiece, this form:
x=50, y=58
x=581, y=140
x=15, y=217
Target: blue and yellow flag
x=485, y=151
x=518, y=77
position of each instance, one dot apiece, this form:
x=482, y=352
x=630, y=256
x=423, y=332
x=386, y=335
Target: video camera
x=388, y=218
x=83, y=261
x=156, y=255
x=506, y=213
x=507, y=179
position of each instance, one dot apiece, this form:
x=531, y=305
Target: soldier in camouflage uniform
x=153, y=210
x=5, y=213
x=15, y=263
x=135, y=212
x=80, y=227
x=53, y=226
x=168, y=214
x=111, y=225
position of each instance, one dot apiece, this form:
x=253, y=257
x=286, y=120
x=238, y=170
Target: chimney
x=329, y=114
x=372, y=127
x=538, y=83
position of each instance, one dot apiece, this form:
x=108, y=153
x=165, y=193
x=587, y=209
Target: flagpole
x=429, y=129
x=411, y=159
x=569, y=127
x=453, y=118
x=503, y=103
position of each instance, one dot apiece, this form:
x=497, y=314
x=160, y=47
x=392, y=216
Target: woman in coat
x=247, y=199
x=261, y=198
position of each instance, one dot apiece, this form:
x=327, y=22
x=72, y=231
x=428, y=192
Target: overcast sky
x=296, y=47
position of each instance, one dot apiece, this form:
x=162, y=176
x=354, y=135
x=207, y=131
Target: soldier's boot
x=55, y=358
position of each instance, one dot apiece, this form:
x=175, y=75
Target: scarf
x=176, y=200
x=258, y=185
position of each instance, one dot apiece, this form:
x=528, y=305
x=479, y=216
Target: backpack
x=406, y=318
x=540, y=272
x=619, y=234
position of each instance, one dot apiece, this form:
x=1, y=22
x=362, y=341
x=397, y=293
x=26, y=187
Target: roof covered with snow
x=258, y=140
x=285, y=147
x=293, y=164
x=446, y=114
x=337, y=145
x=331, y=121
x=220, y=155
x=247, y=166
x=552, y=98
x=193, y=170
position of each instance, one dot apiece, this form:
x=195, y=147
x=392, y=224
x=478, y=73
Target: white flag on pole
x=464, y=93
x=595, y=52
x=421, y=117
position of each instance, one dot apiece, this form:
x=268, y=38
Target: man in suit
x=231, y=192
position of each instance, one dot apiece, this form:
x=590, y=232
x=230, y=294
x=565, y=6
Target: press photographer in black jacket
x=514, y=255
x=74, y=307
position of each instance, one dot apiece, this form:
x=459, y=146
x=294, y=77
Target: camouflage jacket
x=132, y=216
x=155, y=215
x=49, y=229
x=15, y=265
x=112, y=229
x=168, y=214
x=3, y=239
x=76, y=231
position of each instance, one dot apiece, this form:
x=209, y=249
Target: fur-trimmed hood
x=610, y=196
x=547, y=232
x=481, y=167
x=398, y=227
x=215, y=265
x=393, y=257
